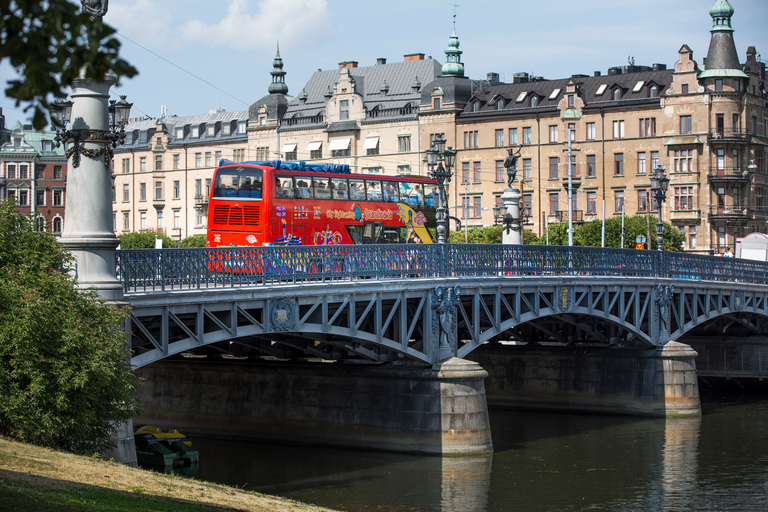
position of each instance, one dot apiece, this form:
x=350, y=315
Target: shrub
x=193, y=241
x=65, y=376
x=144, y=240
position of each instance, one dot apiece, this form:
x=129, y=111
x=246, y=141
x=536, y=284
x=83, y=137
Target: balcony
x=201, y=202
x=730, y=213
x=562, y=216
x=727, y=135
x=738, y=174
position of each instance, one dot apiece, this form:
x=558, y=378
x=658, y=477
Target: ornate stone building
x=34, y=171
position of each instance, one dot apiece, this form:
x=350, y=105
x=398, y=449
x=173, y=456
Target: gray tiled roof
x=149, y=127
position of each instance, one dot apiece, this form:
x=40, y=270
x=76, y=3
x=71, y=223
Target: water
x=542, y=462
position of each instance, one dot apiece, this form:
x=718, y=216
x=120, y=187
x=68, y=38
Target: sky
x=195, y=56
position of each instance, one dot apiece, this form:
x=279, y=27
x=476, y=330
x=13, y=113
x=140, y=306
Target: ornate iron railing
x=174, y=269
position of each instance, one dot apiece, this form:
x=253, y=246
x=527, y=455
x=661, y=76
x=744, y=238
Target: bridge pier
x=646, y=382
x=403, y=408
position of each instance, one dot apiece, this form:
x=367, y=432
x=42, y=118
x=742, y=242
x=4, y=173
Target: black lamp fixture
x=61, y=116
x=440, y=161
x=501, y=215
x=659, y=187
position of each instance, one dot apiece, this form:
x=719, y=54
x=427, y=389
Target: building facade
x=34, y=171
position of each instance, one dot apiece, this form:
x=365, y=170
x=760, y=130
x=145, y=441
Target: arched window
x=654, y=91
x=40, y=223
x=501, y=103
x=57, y=224
x=534, y=101
x=617, y=94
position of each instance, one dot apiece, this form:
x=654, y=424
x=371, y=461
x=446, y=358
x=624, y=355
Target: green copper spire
x=278, y=75
x=453, y=65
x=721, y=14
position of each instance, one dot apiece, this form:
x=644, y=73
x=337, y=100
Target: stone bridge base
x=647, y=382
x=403, y=408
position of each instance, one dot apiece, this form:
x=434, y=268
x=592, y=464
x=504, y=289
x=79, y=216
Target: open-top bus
x=294, y=203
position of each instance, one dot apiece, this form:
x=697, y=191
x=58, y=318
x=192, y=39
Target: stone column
x=511, y=198
x=87, y=231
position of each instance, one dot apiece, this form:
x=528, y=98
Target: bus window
x=238, y=182
x=373, y=189
x=432, y=197
x=357, y=190
x=390, y=192
x=339, y=188
x=302, y=189
x=391, y=235
x=284, y=187
x=372, y=232
x=322, y=188
x=411, y=193
x=355, y=233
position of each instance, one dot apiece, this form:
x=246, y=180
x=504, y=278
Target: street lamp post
x=659, y=186
x=437, y=155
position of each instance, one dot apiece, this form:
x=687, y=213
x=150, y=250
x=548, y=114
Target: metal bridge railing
x=174, y=269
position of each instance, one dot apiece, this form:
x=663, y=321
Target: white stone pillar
x=87, y=231
x=511, y=199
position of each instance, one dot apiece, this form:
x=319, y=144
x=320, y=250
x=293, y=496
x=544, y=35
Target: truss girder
x=384, y=321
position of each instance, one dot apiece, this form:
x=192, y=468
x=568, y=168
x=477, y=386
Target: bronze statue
x=511, y=164
x=96, y=8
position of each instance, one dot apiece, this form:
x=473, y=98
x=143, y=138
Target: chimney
x=659, y=67
x=380, y=61
x=413, y=56
x=597, y=73
x=520, y=78
x=348, y=64
x=492, y=78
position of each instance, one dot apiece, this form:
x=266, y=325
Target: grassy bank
x=33, y=478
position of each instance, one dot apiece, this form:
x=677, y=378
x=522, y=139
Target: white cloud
x=292, y=22
x=144, y=20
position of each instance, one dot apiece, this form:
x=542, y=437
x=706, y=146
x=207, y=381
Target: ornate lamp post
x=659, y=186
x=437, y=155
x=501, y=215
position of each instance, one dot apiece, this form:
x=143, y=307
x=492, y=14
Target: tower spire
x=278, y=85
x=722, y=54
x=453, y=65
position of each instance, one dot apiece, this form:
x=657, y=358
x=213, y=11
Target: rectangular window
x=262, y=153
x=238, y=155
x=199, y=159
x=23, y=175
x=11, y=170
x=648, y=127
x=683, y=160
x=590, y=131
x=143, y=220
x=619, y=201
x=195, y=132
x=618, y=129
x=176, y=189
x=57, y=172
x=465, y=172
x=143, y=164
x=176, y=219
x=719, y=84
x=207, y=187
x=198, y=188
x=572, y=170
x=158, y=190
x=641, y=163
x=684, y=89
x=126, y=192
x=654, y=160
x=126, y=165
x=736, y=123
x=618, y=164
x=344, y=109
x=465, y=203
x=684, y=198
x=642, y=200
x=691, y=237
x=553, y=133
x=476, y=172
x=241, y=126
x=180, y=133
x=126, y=221
x=160, y=219
x=554, y=199
x=58, y=197
x=403, y=169
x=210, y=130
x=591, y=202
x=526, y=135
x=572, y=131
x=208, y=159
x=217, y=158
x=500, y=170
x=686, y=124
x=199, y=218
x=470, y=140
x=39, y=170
x=226, y=129
x=591, y=165
x=477, y=202
x=735, y=159
x=176, y=161
x=527, y=168
x=142, y=191
x=512, y=136
x=403, y=143
x=499, y=137
x=553, y=164
x=158, y=162
x=40, y=199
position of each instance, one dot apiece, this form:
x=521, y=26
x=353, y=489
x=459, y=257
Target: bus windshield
x=238, y=182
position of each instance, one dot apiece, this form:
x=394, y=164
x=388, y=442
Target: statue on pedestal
x=511, y=164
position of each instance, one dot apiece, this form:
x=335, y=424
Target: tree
x=144, y=240
x=48, y=43
x=64, y=371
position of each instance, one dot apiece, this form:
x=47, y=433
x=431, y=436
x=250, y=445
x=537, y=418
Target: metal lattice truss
x=380, y=321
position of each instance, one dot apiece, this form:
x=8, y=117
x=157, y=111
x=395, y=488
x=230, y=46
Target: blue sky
x=199, y=55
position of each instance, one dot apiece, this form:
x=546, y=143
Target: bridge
x=424, y=334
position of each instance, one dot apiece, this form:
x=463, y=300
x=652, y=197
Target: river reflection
x=542, y=462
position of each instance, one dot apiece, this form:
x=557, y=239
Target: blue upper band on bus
x=295, y=165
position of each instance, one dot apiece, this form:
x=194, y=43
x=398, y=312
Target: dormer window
x=195, y=132
x=476, y=107
x=500, y=103
x=226, y=128
x=17, y=142
x=534, y=101
x=210, y=130
x=241, y=127
x=616, y=94
x=654, y=91
x=344, y=109
x=180, y=133
x=436, y=103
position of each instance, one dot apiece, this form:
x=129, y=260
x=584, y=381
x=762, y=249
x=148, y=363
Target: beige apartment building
x=705, y=123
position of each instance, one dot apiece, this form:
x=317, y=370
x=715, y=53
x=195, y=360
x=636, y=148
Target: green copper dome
x=721, y=13
x=278, y=85
x=453, y=65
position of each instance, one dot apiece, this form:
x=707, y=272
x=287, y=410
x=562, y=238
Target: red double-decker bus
x=294, y=203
